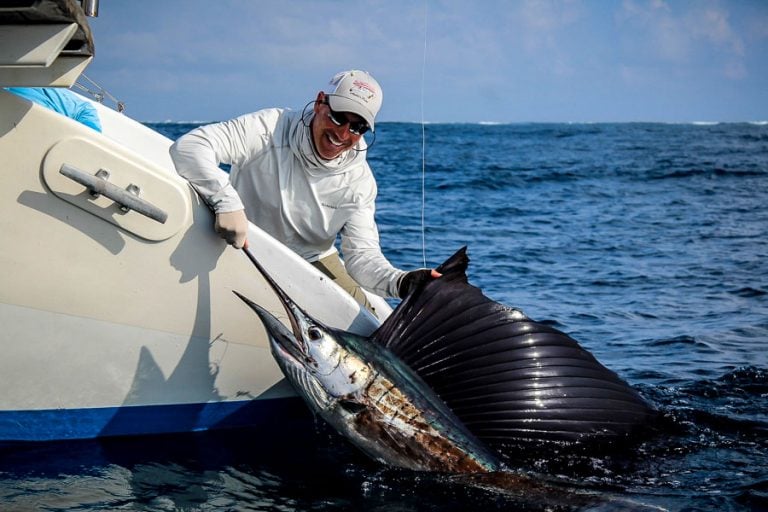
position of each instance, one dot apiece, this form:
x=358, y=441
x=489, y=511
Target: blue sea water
x=648, y=243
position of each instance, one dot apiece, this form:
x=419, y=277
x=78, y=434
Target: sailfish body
x=449, y=376
x=368, y=395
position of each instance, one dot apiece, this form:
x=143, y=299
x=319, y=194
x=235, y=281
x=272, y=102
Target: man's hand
x=415, y=278
x=233, y=227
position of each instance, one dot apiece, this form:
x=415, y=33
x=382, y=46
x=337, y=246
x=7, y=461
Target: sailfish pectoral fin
x=353, y=407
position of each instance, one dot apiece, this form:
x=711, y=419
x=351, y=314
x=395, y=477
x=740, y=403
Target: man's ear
x=319, y=101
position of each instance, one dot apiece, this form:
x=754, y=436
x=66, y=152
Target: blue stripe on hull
x=59, y=424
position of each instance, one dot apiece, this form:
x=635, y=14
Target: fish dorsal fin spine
x=507, y=377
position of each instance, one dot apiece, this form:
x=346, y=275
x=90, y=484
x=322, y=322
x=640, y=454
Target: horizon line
x=506, y=123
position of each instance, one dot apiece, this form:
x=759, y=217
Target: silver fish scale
x=318, y=397
x=401, y=428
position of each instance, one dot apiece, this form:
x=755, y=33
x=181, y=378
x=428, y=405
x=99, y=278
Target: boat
x=116, y=296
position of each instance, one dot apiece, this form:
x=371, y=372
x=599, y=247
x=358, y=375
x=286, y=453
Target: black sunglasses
x=340, y=119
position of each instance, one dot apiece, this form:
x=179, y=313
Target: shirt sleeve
x=363, y=257
x=197, y=156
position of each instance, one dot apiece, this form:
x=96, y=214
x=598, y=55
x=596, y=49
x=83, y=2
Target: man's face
x=331, y=138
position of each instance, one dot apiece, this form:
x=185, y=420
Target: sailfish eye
x=314, y=333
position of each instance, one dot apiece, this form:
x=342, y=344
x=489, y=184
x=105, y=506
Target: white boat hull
x=114, y=323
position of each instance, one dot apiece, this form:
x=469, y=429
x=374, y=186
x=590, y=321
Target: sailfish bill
x=450, y=375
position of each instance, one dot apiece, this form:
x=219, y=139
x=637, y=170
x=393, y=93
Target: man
x=303, y=178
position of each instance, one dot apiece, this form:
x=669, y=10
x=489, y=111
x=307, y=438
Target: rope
x=98, y=94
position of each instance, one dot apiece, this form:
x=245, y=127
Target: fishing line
x=423, y=146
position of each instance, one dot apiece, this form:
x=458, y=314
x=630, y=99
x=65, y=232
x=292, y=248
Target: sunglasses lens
x=340, y=119
x=359, y=127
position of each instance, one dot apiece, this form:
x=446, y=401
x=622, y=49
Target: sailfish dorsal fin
x=507, y=377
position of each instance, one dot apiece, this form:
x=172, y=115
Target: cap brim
x=340, y=104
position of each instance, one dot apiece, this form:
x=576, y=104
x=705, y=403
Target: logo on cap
x=362, y=90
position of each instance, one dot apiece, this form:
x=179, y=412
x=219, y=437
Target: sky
x=506, y=61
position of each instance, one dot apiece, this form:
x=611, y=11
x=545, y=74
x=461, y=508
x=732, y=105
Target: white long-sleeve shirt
x=289, y=192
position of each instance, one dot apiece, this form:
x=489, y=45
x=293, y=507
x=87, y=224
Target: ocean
x=646, y=242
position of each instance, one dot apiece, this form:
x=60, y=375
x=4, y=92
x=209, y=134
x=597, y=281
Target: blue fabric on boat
x=62, y=101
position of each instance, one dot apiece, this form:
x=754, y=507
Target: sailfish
x=451, y=378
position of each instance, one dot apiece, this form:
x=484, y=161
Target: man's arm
x=363, y=257
x=197, y=156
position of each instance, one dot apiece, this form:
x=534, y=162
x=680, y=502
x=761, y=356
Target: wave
x=663, y=174
x=749, y=292
x=170, y=122
x=740, y=383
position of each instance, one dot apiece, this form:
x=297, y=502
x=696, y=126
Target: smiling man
x=304, y=179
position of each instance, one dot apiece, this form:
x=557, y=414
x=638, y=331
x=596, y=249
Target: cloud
x=681, y=35
x=498, y=60
x=544, y=27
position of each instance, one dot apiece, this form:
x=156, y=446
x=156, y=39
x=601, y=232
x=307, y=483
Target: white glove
x=233, y=227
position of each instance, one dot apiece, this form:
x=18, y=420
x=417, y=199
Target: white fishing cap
x=356, y=92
